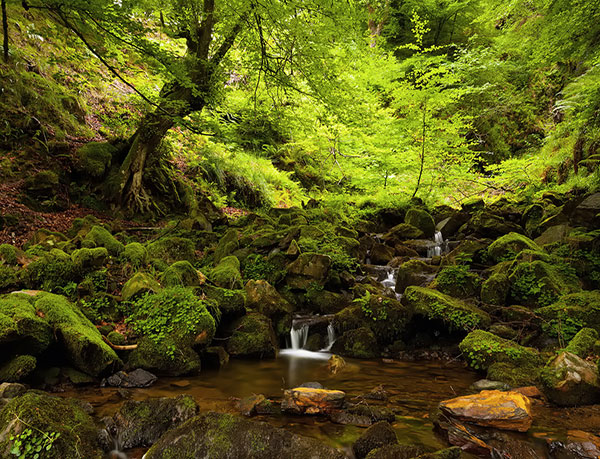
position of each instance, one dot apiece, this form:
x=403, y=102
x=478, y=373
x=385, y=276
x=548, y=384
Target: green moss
x=227, y=273
x=99, y=236
x=514, y=375
x=570, y=314
x=508, y=247
x=139, y=284
x=159, y=357
x=116, y=338
x=86, y=260
x=95, y=158
x=227, y=245
x=17, y=368
x=494, y=290
x=50, y=272
x=458, y=281
x=457, y=314
x=82, y=341
x=421, y=219
x=8, y=277
x=253, y=336
x=181, y=274
x=231, y=303
x=45, y=414
x=360, y=343
x=583, y=342
x=482, y=349
x=8, y=254
x=136, y=254
x=172, y=249
x=22, y=330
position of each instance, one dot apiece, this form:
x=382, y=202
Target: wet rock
x=227, y=273
x=141, y=423
x=414, y=272
x=376, y=436
x=448, y=453
x=306, y=269
x=381, y=254
x=78, y=435
x=377, y=393
x=486, y=384
x=508, y=247
x=304, y=400
x=578, y=445
x=215, y=357
x=253, y=336
x=568, y=380
x=256, y=404
x=501, y=410
x=420, y=219
x=12, y=390
x=335, y=364
x=530, y=392
x=221, y=436
x=133, y=379
x=397, y=452
x=346, y=418
x=373, y=412
x=359, y=343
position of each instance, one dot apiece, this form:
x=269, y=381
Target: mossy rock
x=420, y=219
x=17, y=368
x=571, y=313
x=494, y=289
x=326, y=302
x=508, y=247
x=50, y=272
x=467, y=251
x=46, y=239
x=42, y=192
x=78, y=434
x=583, y=343
x=227, y=245
x=253, y=337
x=263, y=298
x=486, y=224
x=8, y=277
x=359, y=343
x=569, y=380
x=182, y=274
x=156, y=357
x=99, y=236
x=481, y=350
x=136, y=254
x=458, y=282
x=95, y=158
x=227, y=273
x=231, y=303
x=80, y=339
x=86, y=260
x=8, y=254
x=22, y=330
x=539, y=283
x=116, y=338
x=172, y=249
x=308, y=269
x=139, y=284
x=81, y=226
x=513, y=375
x=455, y=313
x=403, y=232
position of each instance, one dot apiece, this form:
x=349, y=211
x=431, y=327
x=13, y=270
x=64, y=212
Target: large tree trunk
x=144, y=146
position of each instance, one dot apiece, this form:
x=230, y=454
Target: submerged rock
x=568, y=380
x=335, y=364
x=491, y=408
x=306, y=400
x=376, y=436
x=224, y=436
x=141, y=423
x=256, y=404
x=133, y=379
x=578, y=445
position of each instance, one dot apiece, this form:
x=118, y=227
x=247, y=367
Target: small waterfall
x=298, y=336
x=330, y=338
x=390, y=280
x=440, y=246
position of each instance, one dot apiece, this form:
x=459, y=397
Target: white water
x=390, y=281
x=298, y=337
x=330, y=338
x=440, y=246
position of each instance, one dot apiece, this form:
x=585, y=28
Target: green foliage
x=32, y=445
x=259, y=267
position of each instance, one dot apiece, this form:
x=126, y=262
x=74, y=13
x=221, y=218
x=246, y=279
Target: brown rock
x=529, y=391
x=305, y=400
x=491, y=408
x=579, y=444
x=336, y=364
x=248, y=405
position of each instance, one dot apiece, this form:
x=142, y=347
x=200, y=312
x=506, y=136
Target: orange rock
x=491, y=408
x=304, y=400
x=529, y=391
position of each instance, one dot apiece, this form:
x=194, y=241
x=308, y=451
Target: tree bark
x=5, y=30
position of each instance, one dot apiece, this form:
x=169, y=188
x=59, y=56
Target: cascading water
x=298, y=336
x=440, y=246
x=330, y=338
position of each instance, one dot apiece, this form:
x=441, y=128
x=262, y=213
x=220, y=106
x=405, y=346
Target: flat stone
x=491, y=408
x=486, y=384
x=305, y=400
x=135, y=379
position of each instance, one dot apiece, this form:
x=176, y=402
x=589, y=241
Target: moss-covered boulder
x=455, y=313
x=81, y=341
x=402, y=232
x=218, y=435
x=308, y=269
x=41, y=192
x=570, y=314
x=227, y=273
x=458, y=282
x=539, y=283
x=494, y=290
x=568, y=380
x=136, y=254
x=253, y=336
x=422, y=220
x=8, y=277
x=99, y=236
x=75, y=433
x=95, y=158
x=182, y=274
x=46, y=239
x=377, y=436
x=487, y=224
x=139, y=284
x=263, y=298
x=231, y=303
x=86, y=260
x=359, y=343
x=172, y=324
x=583, y=343
x=50, y=272
x=17, y=368
x=414, y=272
x=172, y=249
x=508, y=247
x=227, y=245
x=22, y=330
x=8, y=254
x=506, y=360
